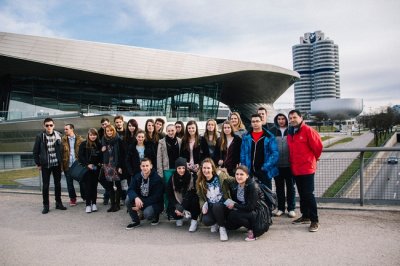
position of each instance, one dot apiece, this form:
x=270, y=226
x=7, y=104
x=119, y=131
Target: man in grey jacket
x=280, y=130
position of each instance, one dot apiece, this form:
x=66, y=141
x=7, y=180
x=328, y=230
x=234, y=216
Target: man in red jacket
x=305, y=147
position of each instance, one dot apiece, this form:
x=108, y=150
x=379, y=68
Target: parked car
x=392, y=160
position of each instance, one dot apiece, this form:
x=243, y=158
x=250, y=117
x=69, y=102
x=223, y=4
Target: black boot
x=113, y=201
x=45, y=209
x=60, y=206
x=117, y=200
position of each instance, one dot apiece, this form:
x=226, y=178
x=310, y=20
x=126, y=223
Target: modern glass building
x=48, y=76
x=316, y=58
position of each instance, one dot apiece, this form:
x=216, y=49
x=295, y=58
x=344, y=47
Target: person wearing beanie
x=183, y=201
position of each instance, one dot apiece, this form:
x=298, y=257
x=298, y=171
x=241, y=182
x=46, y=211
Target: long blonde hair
x=240, y=122
x=201, y=182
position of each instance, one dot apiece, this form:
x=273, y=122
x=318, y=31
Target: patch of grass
x=326, y=137
x=350, y=171
x=344, y=140
x=9, y=177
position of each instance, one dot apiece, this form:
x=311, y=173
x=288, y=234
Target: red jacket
x=305, y=147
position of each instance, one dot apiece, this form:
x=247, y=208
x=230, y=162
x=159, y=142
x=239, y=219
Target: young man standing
x=259, y=152
x=70, y=143
x=145, y=194
x=280, y=131
x=264, y=114
x=47, y=156
x=305, y=147
x=119, y=126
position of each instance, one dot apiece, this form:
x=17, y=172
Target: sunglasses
x=49, y=125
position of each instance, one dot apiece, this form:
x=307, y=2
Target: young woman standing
x=191, y=149
x=227, y=152
x=112, y=165
x=209, y=140
x=90, y=155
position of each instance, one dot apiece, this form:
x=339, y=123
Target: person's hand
x=120, y=171
x=196, y=167
x=220, y=162
x=178, y=213
x=204, y=209
x=138, y=203
x=230, y=206
x=103, y=149
x=90, y=166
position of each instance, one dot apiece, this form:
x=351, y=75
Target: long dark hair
x=186, y=137
x=182, y=133
x=128, y=136
x=155, y=136
x=224, y=141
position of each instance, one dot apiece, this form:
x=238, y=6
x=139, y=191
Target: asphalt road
x=73, y=237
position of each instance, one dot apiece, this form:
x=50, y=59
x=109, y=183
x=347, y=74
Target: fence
x=360, y=175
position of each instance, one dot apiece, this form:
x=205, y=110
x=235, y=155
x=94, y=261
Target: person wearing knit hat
x=183, y=201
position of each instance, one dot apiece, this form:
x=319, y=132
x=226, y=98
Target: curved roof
x=242, y=82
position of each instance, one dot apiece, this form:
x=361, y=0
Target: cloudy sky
x=367, y=32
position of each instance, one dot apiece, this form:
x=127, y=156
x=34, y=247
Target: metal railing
x=343, y=175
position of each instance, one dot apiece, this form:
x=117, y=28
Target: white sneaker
x=179, y=222
x=193, y=226
x=223, y=236
x=88, y=209
x=94, y=208
x=292, y=214
x=214, y=228
x=278, y=213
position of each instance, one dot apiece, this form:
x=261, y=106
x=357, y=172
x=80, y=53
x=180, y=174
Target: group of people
x=215, y=178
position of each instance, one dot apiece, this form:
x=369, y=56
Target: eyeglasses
x=49, y=125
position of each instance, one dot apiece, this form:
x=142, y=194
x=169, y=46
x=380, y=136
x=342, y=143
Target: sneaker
x=314, y=226
x=156, y=220
x=278, y=213
x=223, y=236
x=60, y=206
x=132, y=225
x=94, y=208
x=72, y=202
x=250, y=236
x=45, y=209
x=301, y=220
x=88, y=209
x=214, y=228
x=291, y=214
x=193, y=226
x=179, y=222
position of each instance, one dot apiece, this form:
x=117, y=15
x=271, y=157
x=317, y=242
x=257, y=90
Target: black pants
x=308, y=204
x=285, y=177
x=216, y=214
x=46, y=172
x=191, y=204
x=115, y=195
x=263, y=178
x=238, y=218
x=91, y=181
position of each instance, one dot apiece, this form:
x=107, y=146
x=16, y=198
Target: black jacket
x=232, y=154
x=132, y=160
x=252, y=195
x=198, y=153
x=92, y=155
x=156, y=191
x=40, y=150
x=188, y=193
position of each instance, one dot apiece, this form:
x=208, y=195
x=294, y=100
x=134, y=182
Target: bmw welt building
x=42, y=76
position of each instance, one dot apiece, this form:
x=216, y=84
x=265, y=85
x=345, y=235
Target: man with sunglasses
x=48, y=158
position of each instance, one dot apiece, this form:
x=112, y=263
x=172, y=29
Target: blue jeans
x=285, y=177
x=308, y=205
x=71, y=188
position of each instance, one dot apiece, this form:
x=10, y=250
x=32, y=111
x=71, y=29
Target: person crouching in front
x=213, y=191
x=145, y=195
x=183, y=201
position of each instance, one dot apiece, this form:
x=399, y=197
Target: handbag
x=262, y=220
x=110, y=173
x=77, y=171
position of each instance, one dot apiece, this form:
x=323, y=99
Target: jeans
x=71, y=188
x=308, y=205
x=46, y=172
x=149, y=213
x=285, y=177
x=216, y=214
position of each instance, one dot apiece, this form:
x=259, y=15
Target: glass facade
x=35, y=96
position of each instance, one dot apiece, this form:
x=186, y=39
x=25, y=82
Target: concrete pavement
x=72, y=237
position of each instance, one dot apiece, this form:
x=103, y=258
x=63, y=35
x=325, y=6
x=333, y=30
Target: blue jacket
x=250, y=153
